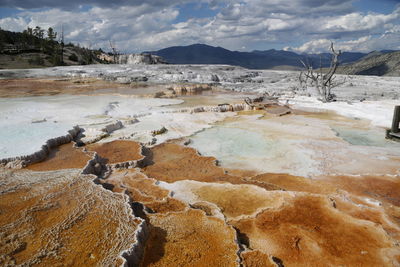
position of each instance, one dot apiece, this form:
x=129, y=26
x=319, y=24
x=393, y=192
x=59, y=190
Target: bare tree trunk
x=62, y=45
x=114, y=51
x=323, y=82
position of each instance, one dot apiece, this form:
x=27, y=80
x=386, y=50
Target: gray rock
x=140, y=59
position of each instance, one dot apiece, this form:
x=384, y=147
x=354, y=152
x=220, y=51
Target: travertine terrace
x=101, y=168
x=62, y=218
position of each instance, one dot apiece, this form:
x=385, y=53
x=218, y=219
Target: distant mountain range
x=269, y=59
x=384, y=63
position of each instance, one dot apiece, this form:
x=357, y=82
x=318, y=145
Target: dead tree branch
x=322, y=81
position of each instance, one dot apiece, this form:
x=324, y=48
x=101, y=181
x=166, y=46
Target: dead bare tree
x=114, y=52
x=62, y=45
x=324, y=82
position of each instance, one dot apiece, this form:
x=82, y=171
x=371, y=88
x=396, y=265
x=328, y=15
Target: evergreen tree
x=50, y=42
x=38, y=32
x=51, y=35
x=28, y=31
x=2, y=39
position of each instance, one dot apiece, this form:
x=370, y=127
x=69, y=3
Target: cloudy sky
x=244, y=25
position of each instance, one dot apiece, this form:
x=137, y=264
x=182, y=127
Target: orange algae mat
x=173, y=162
x=63, y=157
x=190, y=239
x=118, y=151
x=61, y=219
x=144, y=190
x=178, y=236
x=308, y=231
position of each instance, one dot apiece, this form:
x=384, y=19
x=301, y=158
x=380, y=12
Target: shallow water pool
x=224, y=141
x=364, y=137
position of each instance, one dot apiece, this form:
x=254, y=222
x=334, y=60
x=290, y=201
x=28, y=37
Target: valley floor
x=167, y=166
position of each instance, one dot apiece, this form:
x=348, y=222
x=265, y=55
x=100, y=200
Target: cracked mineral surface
x=298, y=183
x=61, y=218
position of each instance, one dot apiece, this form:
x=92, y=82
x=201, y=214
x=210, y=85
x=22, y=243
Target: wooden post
x=396, y=120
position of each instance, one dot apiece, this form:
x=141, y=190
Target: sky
x=243, y=25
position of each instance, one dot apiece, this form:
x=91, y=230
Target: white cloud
x=389, y=40
x=129, y=27
x=255, y=24
x=359, y=22
x=13, y=24
x=323, y=45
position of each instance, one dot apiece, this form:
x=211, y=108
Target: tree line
x=33, y=40
x=47, y=41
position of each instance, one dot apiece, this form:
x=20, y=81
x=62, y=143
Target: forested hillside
x=37, y=47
